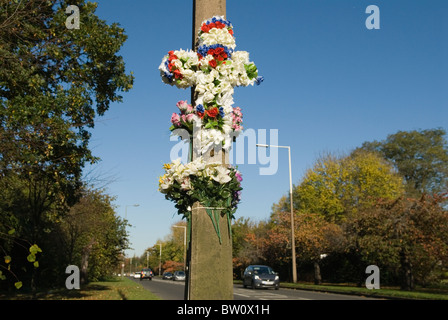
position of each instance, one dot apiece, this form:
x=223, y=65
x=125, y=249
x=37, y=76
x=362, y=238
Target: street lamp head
x=262, y=145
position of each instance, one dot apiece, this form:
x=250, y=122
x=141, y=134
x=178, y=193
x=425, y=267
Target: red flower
x=219, y=50
x=177, y=74
x=171, y=56
x=213, y=112
x=219, y=25
x=200, y=114
x=231, y=31
x=205, y=28
x=213, y=63
x=211, y=52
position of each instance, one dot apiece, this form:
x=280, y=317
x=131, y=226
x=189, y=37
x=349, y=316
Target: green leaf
x=31, y=257
x=225, y=194
x=35, y=249
x=12, y=231
x=18, y=284
x=36, y=264
x=251, y=70
x=7, y=259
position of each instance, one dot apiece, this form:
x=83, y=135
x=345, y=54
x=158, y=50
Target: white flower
x=165, y=184
x=218, y=36
x=208, y=96
x=240, y=56
x=190, y=75
x=186, y=184
x=225, y=99
x=204, y=79
x=222, y=175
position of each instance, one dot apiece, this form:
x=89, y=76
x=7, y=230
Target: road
x=172, y=290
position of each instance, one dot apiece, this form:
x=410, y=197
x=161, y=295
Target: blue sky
x=330, y=85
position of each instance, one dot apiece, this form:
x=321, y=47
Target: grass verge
x=113, y=289
x=383, y=292
x=387, y=292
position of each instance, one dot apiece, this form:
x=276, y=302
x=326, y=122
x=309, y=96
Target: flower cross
x=214, y=70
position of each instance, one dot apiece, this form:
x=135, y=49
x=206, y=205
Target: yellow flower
x=167, y=166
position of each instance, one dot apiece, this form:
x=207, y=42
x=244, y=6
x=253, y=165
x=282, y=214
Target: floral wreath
x=214, y=70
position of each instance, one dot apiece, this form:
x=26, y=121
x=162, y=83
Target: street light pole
x=125, y=217
x=185, y=244
x=126, y=209
x=293, y=246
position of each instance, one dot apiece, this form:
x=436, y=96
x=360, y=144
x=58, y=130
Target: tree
x=421, y=157
x=93, y=235
x=328, y=193
x=336, y=186
x=248, y=239
x=315, y=239
x=406, y=236
x=314, y=236
x=172, y=249
x=51, y=80
x=54, y=82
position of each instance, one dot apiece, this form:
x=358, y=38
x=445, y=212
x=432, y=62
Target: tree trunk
x=85, y=261
x=317, y=275
x=407, y=278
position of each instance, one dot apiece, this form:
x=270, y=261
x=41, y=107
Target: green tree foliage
x=172, y=251
x=93, y=236
x=336, y=186
x=421, y=157
x=54, y=82
x=355, y=210
x=408, y=236
x=248, y=239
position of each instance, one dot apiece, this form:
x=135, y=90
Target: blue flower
x=202, y=50
x=259, y=80
x=167, y=72
x=169, y=76
x=200, y=108
x=214, y=19
x=221, y=112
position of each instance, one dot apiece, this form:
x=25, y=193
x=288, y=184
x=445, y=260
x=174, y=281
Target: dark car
x=257, y=276
x=146, y=274
x=179, y=276
x=167, y=276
